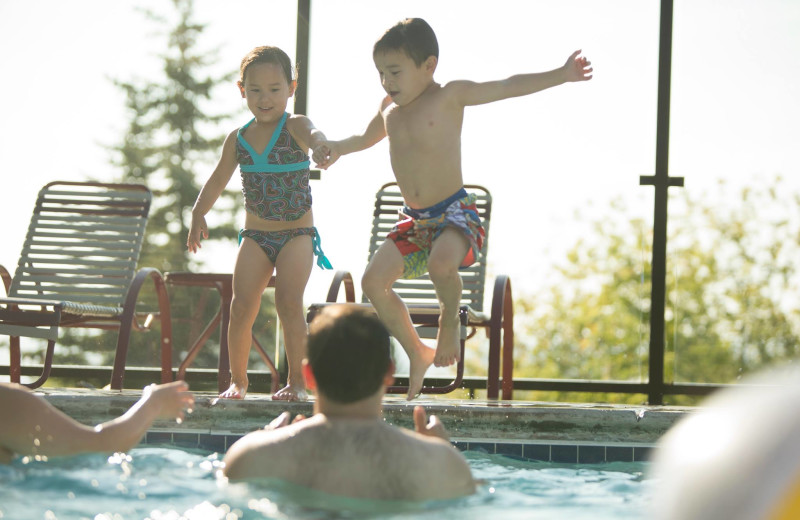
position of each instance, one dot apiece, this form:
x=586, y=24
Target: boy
x=440, y=230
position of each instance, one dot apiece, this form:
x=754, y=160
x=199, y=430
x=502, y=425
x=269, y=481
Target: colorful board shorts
x=415, y=233
x=271, y=242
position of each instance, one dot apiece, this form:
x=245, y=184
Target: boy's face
x=400, y=76
x=267, y=91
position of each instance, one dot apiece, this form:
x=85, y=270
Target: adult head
x=349, y=354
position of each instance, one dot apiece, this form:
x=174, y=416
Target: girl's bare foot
x=235, y=391
x=290, y=393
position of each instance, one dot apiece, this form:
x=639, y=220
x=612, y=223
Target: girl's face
x=267, y=91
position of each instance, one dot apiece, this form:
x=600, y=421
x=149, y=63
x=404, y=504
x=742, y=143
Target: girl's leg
x=383, y=270
x=447, y=252
x=251, y=275
x=292, y=269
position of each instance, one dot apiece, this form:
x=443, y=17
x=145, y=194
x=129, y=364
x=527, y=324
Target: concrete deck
x=467, y=420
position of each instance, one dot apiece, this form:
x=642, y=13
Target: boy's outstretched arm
x=468, y=93
x=373, y=134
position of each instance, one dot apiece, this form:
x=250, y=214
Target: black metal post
x=301, y=56
x=661, y=181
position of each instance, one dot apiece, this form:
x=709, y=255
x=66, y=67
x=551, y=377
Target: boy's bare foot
x=235, y=391
x=421, y=359
x=290, y=393
x=448, y=343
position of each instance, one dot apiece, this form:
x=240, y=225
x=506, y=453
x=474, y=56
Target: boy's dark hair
x=349, y=352
x=267, y=54
x=413, y=36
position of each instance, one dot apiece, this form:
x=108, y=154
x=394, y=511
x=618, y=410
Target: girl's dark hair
x=413, y=36
x=268, y=54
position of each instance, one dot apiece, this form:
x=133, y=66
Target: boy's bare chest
x=424, y=126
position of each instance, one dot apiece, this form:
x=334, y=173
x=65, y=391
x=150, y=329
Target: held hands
x=433, y=428
x=577, y=68
x=198, y=230
x=325, y=154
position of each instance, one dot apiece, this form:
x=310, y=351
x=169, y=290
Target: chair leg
x=15, y=358
x=126, y=324
x=48, y=363
x=508, y=345
x=502, y=308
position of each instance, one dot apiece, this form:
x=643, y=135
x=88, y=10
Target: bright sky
x=735, y=108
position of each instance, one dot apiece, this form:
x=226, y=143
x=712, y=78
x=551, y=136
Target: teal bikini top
x=274, y=182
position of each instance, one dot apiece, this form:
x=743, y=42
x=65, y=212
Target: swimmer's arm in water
x=39, y=428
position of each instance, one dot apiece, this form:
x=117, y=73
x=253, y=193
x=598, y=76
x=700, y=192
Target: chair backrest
x=83, y=243
x=388, y=201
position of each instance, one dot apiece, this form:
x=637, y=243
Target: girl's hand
x=325, y=154
x=578, y=68
x=198, y=231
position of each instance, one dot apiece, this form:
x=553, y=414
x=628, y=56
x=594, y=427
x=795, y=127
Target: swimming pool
x=168, y=483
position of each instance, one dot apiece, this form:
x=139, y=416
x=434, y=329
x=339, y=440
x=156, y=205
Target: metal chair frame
x=420, y=297
x=78, y=269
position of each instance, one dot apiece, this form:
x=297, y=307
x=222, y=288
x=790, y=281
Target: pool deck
x=560, y=432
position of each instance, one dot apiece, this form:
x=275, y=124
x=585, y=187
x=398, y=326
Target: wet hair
x=413, y=36
x=349, y=352
x=267, y=54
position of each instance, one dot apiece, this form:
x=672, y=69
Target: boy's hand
x=578, y=68
x=198, y=230
x=325, y=154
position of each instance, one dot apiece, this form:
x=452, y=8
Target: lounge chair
x=78, y=269
x=419, y=296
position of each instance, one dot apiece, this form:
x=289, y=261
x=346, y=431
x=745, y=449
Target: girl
x=279, y=232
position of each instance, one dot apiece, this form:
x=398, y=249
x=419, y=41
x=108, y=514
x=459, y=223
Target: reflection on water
x=166, y=483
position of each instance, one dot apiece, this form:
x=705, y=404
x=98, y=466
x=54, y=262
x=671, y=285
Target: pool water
x=166, y=483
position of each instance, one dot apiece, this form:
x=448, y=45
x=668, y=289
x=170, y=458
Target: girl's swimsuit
x=418, y=228
x=275, y=187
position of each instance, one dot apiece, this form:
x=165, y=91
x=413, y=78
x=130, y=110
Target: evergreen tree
x=164, y=147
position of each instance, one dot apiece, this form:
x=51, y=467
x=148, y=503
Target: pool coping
x=551, y=432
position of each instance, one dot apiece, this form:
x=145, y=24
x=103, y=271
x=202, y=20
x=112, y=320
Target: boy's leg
x=383, y=270
x=251, y=275
x=292, y=269
x=447, y=252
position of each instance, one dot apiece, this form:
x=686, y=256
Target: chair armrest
x=127, y=320
x=501, y=333
x=6, y=276
x=349, y=290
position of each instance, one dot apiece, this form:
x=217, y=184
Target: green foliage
x=732, y=304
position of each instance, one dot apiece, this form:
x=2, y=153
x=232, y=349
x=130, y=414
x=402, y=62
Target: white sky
x=735, y=108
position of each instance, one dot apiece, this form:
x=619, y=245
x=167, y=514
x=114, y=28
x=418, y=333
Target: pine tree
x=164, y=147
